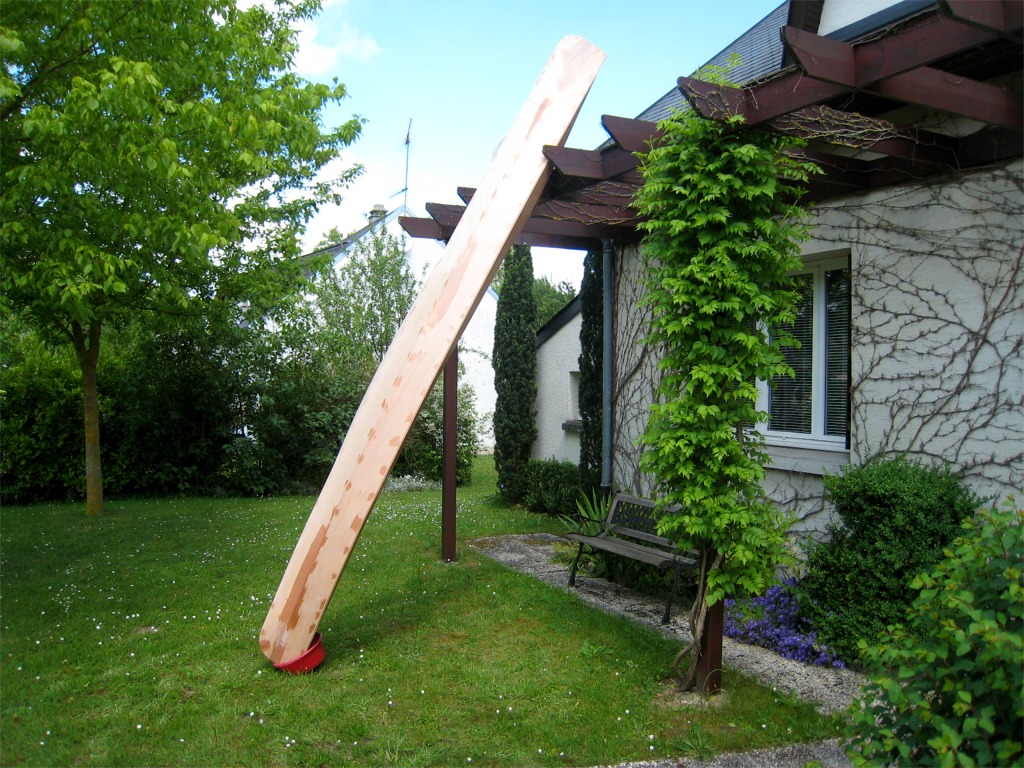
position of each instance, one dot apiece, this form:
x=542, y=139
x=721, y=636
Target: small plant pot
x=308, y=661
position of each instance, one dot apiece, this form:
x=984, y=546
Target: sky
x=460, y=70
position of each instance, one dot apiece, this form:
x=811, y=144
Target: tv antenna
x=404, y=191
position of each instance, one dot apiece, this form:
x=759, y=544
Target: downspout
x=606, y=364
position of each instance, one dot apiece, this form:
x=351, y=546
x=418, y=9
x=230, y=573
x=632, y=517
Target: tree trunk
x=88, y=352
x=709, y=561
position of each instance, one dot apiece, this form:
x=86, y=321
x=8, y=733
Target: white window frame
x=816, y=439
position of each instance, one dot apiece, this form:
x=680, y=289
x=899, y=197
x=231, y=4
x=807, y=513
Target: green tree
x=549, y=297
x=372, y=292
x=591, y=362
x=722, y=236
x=515, y=375
x=156, y=157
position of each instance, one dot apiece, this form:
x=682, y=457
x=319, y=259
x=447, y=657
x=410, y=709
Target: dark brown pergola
x=848, y=100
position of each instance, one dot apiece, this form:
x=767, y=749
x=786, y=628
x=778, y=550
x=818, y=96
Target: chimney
x=377, y=214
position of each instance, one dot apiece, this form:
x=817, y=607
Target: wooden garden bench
x=631, y=530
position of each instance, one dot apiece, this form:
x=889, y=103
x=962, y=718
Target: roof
x=560, y=320
x=759, y=51
x=339, y=250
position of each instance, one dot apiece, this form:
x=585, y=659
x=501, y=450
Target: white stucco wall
x=937, y=337
x=938, y=322
x=836, y=14
x=477, y=343
x=557, y=394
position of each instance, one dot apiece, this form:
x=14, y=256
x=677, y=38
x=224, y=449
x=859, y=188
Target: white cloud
x=354, y=44
x=313, y=58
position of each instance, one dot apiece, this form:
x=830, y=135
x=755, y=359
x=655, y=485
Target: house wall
x=476, y=344
x=937, y=325
x=557, y=394
x=836, y=14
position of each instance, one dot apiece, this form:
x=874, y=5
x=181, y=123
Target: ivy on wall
x=722, y=235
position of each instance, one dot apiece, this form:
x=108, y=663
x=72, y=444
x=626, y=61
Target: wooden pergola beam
x=860, y=66
x=429, y=229
x=1003, y=17
x=932, y=88
x=896, y=67
x=631, y=135
x=774, y=98
x=579, y=226
x=830, y=68
x=426, y=229
x=591, y=163
x=586, y=213
x=869, y=133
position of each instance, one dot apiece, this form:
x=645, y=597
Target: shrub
x=42, y=450
x=947, y=688
x=895, y=518
x=422, y=454
x=553, y=486
x=515, y=376
x=772, y=621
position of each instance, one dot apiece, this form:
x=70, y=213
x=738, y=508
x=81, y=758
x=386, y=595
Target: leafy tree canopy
x=156, y=156
x=549, y=298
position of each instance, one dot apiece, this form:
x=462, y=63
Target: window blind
x=790, y=399
x=837, y=352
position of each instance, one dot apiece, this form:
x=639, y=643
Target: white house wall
x=938, y=321
x=836, y=14
x=557, y=402
x=937, y=326
x=477, y=341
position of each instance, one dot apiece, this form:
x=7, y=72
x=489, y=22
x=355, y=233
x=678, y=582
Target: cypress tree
x=515, y=375
x=591, y=397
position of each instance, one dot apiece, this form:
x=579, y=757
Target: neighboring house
x=478, y=339
x=914, y=277
x=558, y=385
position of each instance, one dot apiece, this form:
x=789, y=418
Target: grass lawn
x=131, y=640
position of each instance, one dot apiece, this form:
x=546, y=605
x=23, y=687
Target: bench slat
x=634, y=551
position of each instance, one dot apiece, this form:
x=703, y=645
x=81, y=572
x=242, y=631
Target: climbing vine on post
x=722, y=236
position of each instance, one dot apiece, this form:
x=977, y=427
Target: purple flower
x=772, y=621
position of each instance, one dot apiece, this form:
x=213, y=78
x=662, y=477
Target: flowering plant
x=772, y=621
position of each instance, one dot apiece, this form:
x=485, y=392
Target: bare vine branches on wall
x=937, y=322
x=937, y=332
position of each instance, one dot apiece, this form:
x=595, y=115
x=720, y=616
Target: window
x=812, y=409
x=574, y=395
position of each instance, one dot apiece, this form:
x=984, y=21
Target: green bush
x=553, y=486
x=947, y=688
x=896, y=516
x=42, y=443
x=422, y=453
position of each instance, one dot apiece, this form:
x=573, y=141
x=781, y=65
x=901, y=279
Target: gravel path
x=830, y=689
